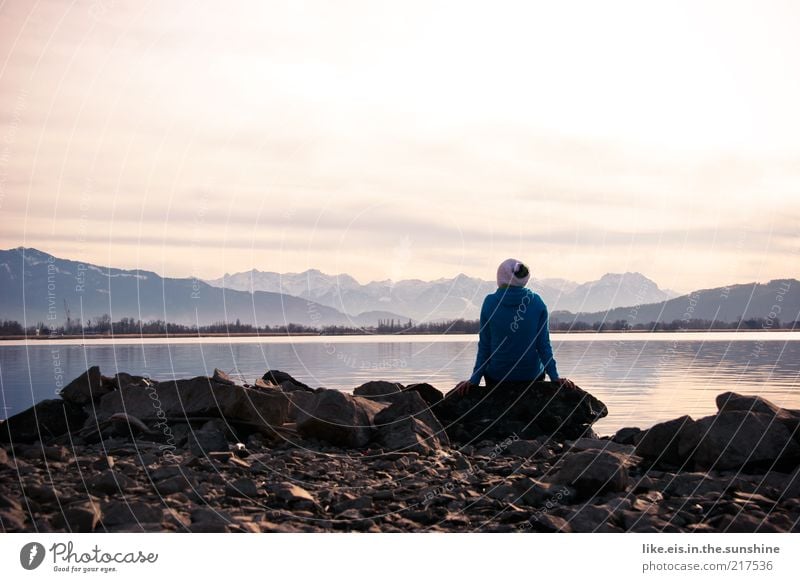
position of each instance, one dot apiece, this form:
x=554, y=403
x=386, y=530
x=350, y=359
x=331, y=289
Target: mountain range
x=775, y=301
x=446, y=298
x=38, y=287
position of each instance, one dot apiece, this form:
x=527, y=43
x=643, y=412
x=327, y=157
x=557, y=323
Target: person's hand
x=565, y=383
x=462, y=388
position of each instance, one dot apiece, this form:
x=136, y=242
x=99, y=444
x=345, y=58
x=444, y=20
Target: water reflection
x=641, y=381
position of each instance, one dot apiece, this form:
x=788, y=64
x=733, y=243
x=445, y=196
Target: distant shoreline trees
x=103, y=326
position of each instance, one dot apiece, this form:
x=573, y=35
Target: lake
x=643, y=378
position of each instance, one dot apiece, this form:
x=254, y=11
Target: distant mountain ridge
x=39, y=287
x=444, y=298
x=775, y=301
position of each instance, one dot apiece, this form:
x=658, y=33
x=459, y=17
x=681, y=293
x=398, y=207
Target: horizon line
x=461, y=274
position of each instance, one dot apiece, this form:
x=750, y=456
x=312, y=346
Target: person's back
x=514, y=339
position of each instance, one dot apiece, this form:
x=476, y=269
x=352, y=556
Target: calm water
x=642, y=378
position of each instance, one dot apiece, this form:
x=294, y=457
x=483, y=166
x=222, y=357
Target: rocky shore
x=206, y=454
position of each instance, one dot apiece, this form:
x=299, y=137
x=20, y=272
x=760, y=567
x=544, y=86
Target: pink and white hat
x=512, y=272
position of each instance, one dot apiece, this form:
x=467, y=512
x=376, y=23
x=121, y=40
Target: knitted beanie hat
x=512, y=272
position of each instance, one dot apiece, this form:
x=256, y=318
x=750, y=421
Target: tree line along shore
x=129, y=327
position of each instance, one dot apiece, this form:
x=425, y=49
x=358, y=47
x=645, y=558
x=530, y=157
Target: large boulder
x=207, y=440
x=430, y=394
x=123, y=379
x=197, y=397
x=592, y=472
x=730, y=401
x=285, y=381
x=529, y=410
x=735, y=439
x=627, y=435
x=659, y=443
x=408, y=425
x=43, y=421
x=379, y=390
x=91, y=385
x=338, y=418
x=299, y=400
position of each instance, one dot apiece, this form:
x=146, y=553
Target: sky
x=405, y=139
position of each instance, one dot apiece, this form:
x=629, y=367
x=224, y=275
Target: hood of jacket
x=512, y=296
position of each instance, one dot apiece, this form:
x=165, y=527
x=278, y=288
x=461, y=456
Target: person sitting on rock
x=514, y=342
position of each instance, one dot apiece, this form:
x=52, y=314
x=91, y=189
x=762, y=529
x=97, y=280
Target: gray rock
x=790, y=488
x=526, y=448
x=299, y=401
x=176, y=484
x=205, y=515
x=379, y=390
x=659, y=444
x=526, y=409
x=408, y=434
x=195, y=397
x=261, y=385
x=42, y=493
x=730, y=401
x=180, y=433
x=45, y=420
x=592, y=472
x=545, y=523
x=736, y=439
x=123, y=380
x=589, y=518
x=626, y=436
x=166, y=471
x=294, y=496
x=587, y=444
x=109, y=482
x=131, y=512
x=430, y=394
x=221, y=377
x=91, y=385
x=12, y=519
x=79, y=518
x=539, y=493
x=286, y=382
x=339, y=419
x=503, y=492
x=242, y=487
x=695, y=484
x=408, y=425
x=103, y=462
x=40, y=452
x=202, y=442
x=123, y=424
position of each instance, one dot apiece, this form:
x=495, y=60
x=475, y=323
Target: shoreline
x=183, y=336
x=127, y=454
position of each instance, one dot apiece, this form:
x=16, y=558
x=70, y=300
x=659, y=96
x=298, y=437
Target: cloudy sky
x=402, y=139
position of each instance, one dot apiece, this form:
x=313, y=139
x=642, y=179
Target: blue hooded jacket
x=514, y=339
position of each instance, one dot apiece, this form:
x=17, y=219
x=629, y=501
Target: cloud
x=315, y=135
